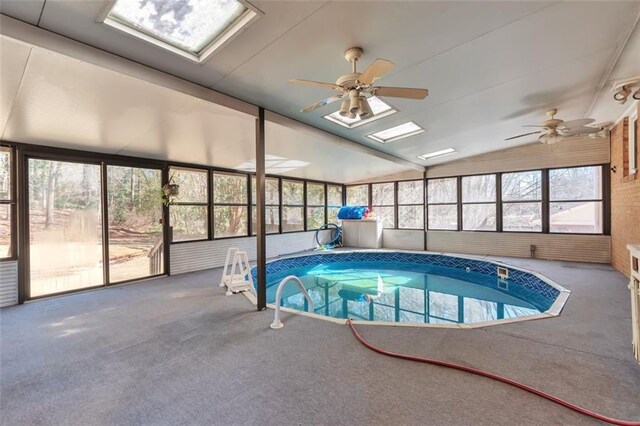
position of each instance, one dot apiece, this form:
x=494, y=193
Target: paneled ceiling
x=52, y=99
x=491, y=67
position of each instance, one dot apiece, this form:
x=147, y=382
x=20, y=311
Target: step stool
x=236, y=274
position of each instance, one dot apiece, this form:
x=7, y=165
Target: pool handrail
x=276, y=324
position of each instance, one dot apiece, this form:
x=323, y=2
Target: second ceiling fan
x=555, y=129
x=351, y=88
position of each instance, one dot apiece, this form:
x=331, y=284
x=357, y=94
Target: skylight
x=379, y=109
x=192, y=28
x=437, y=153
x=396, y=133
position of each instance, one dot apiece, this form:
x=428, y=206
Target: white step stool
x=238, y=278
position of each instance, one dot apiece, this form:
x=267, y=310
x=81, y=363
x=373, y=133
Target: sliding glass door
x=65, y=227
x=134, y=212
x=67, y=246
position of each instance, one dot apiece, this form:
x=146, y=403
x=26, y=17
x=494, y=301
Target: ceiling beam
x=33, y=36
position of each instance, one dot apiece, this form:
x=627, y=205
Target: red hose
x=494, y=377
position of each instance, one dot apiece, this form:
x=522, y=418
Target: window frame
x=331, y=206
x=207, y=204
x=394, y=206
x=11, y=202
x=540, y=201
x=399, y=204
x=252, y=204
x=214, y=204
x=495, y=202
x=307, y=205
x=604, y=200
x=303, y=205
x=456, y=204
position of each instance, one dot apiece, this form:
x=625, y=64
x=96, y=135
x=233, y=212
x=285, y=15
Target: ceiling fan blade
x=401, y=92
x=535, y=125
x=320, y=104
x=315, y=83
x=583, y=130
x=523, y=135
x=377, y=69
x=576, y=123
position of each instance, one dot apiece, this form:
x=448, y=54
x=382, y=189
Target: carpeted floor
x=177, y=351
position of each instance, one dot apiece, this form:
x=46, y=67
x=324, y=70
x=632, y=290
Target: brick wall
x=625, y=201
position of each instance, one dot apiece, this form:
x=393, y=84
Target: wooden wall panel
x=579, y=248
x=576, y=152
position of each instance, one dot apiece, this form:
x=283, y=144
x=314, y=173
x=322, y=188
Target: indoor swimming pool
x=413, y=288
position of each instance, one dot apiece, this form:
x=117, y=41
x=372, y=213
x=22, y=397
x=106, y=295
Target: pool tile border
x=484, y=264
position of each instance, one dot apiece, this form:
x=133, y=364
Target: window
x=396, y=133
x=189, y=210
x=479, y=203
x=315, y=205
x=442, y=200
x=522, y=201
x=229, y=205
x=575, y=196
x=358, y=195
x=6, y=203
x=272, y=205
x=411, y=204
x=379, y=109
x=292, y=205
x=334, y=201
x=194, y=29
x=382, y=203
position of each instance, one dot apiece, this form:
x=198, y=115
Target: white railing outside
x=276, y=318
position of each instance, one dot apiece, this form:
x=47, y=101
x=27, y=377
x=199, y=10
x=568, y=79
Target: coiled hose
x=336, y=241
x=494, y=377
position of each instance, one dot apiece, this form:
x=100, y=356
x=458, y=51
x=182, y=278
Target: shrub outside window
x=272, y=205
x=315, y=205
x=382, y=203
x=229, y=205
x=358, y=195
x=411, y=204
x=189, y=211
x=292, y=205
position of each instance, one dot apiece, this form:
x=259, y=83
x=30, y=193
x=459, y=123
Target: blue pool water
x=407, y=287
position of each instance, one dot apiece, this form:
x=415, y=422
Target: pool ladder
x=276, y=318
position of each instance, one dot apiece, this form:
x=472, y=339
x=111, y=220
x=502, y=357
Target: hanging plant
x=170, y=190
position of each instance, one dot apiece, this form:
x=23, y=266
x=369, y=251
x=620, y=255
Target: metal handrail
x=276, y=318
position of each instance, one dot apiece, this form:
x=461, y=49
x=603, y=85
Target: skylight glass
x=395, y=133
x=188, y=25
x=378, y=107
x=437, y=153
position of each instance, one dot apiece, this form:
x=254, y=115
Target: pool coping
x=553, y=311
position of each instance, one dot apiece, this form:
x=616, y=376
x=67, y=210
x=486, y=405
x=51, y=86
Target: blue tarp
x=352, y=212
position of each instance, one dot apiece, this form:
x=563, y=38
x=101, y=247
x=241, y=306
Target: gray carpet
x=177, y=351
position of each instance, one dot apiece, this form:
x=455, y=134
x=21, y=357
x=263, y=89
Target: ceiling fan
x=555, y=129
x=353, y=87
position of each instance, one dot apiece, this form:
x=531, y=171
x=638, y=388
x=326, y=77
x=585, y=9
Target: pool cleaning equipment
x=493, y=377
x=336, y=236
x=276, y=324
x=236, y=274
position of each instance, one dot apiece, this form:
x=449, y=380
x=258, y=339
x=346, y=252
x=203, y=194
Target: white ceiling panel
x=12, y=65
x=24, y=10
x=66, y=102
x=490, y=66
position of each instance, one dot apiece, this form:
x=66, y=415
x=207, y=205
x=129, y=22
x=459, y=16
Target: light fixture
x=396, y=133
x=365, y=109
x=193, y=29
x=435, y=154
x=354, y=101
x=623, y=88
x=378, y=107
x=344, y=108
